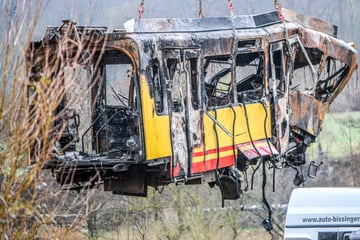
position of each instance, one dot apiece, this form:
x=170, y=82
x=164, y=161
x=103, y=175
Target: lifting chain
x=231, y=11
x=278, y=8
x=201, y=14
x=233, y=48
x=141, y=9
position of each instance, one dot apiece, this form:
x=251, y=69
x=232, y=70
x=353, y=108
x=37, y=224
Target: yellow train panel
x=225, y=116
x=156, y=128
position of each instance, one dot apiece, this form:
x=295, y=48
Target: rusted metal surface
x=306, y=113
x=310, y=22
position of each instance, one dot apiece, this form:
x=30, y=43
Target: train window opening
x=183, y=72
x=178, y=80
x=118, y=78
x=218, y=82
x=277, y=70
x=249, y=71
x=158, y=86
x=304, y=77
x=330, y=78
x=194, y=76
x=172, y=65
x=251, y=43
x=114, y=77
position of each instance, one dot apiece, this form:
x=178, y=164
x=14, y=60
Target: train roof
x=186, y=25
x=178, y=25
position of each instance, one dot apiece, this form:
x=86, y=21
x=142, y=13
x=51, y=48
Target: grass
x=340, y=136
x=248, y=234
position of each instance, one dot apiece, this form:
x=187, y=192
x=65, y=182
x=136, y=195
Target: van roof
x=315, y=207
x=325, y=197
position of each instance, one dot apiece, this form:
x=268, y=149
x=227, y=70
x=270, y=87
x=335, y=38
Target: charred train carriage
x=189, y=100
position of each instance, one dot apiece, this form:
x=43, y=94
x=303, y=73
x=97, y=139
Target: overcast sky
x=113, y=13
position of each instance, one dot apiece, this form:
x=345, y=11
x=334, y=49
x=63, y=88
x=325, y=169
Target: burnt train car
x=189, y=100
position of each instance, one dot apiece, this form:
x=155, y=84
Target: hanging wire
x=141, y=9
x=201, y=14
x=278, y=8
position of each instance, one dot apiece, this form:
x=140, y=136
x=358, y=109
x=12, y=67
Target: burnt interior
x=113, y=120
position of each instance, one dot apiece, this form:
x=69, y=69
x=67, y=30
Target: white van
x=323, y=214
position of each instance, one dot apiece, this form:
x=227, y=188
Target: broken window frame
x=278, y=87
x=158, y=87
x=187, y=60
x=120, y=97
x=316, y=66
x=321, y=88
x=314, y=73
x=212, y=82
x=194, y=74
x=241, y=95
x=111, y=57
x=333, y=76
x=173, y=60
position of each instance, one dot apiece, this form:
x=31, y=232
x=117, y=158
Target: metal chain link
x=141, y=9
x=233, y=48
x=278, y=8
x=231, y=11
x=201, y=14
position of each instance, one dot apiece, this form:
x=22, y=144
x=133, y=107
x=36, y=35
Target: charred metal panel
x=127, y=46
x=200, y=24
x=216, y=46
x=194, y=65
x=306, y=113
x=310, y=22
x=131, y=182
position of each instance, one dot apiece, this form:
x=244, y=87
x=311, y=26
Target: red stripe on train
x=223, y=149
x=210, y=164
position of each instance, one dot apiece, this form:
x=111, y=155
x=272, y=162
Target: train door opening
x=279, y=86
x=183, y=67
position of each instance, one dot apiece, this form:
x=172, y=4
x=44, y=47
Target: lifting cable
x=235, y=158
x=141, y=8
x=217, y=162
x=267, y=223
x=267, y=141
x=233, y=51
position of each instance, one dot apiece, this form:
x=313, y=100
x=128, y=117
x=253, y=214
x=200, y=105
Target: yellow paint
x=225, y=116
x=156, y=128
